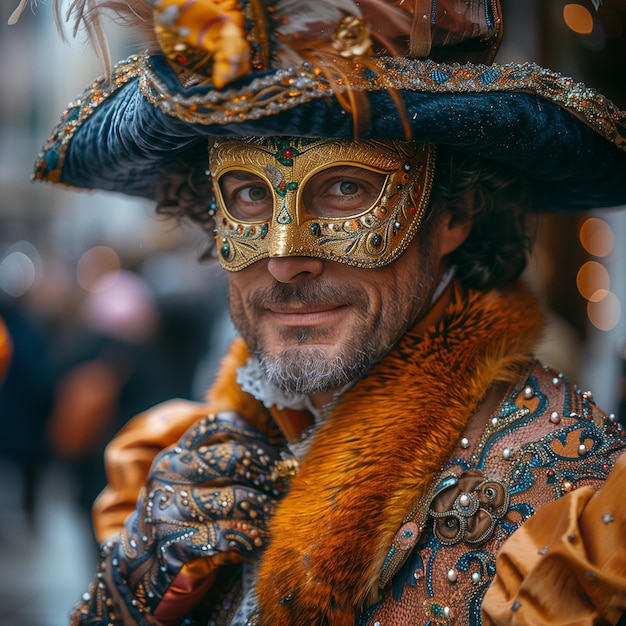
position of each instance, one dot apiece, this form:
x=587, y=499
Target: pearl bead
x=452, y=575
x=555, y=418
x=506, y=454
x=476, y=577
x=555, y=381
x=464, y=499
x=582, y=448
x=528, y=392
x=465, y=444
x=446, y=612
x=494, y=421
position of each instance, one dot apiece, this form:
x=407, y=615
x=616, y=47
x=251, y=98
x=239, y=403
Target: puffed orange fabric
x=566, y=566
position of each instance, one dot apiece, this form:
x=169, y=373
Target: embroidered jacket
x=397, y=511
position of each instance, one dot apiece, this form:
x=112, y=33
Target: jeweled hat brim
x=567, y=140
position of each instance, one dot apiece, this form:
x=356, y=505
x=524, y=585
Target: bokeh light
x=20, y=268
x=121, y=305
x=95, y=263
x=604, y=310
x=591, y=277
x=578, y=19
x=17, y=273
x=597, y=237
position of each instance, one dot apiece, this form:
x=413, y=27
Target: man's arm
x=206, y=503
x=567, y=563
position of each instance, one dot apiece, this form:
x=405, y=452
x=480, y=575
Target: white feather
x=18, y=11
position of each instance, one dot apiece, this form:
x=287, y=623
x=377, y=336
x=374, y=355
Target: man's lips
x=309, y=315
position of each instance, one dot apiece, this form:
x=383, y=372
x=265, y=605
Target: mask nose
x=286, y=236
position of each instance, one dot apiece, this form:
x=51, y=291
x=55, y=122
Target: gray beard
x=308, y=371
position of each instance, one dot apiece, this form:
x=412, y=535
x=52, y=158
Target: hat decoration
x=419, y=70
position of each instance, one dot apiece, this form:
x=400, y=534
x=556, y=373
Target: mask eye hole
x=343, y=191
x=246, y=196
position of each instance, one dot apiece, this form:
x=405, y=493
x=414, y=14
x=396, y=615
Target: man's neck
x=324, y=399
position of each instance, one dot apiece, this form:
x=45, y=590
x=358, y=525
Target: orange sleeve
x=567, y=564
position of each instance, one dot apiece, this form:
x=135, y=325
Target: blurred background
x=111, y=312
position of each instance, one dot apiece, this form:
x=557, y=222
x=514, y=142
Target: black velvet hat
x=343, y=69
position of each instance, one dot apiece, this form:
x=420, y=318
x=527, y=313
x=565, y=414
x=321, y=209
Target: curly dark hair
x=495, y=199
x=492, y=197
x=187, y=193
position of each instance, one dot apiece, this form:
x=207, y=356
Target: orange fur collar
x=370, y=465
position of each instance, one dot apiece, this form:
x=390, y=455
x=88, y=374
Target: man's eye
x=246, y=196
x=345, y=188
x=342, y=191
x=256, y=193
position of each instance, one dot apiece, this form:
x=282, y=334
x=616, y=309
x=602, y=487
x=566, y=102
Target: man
x=380, y=429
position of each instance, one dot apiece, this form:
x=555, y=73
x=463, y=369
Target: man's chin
x=312, y=368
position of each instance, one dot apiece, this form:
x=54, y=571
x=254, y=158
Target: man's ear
x=453, y=232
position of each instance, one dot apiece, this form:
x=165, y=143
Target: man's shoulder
x=546, y=438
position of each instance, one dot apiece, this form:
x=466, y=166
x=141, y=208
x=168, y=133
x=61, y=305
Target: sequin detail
x=286, y=89
x=49, y=163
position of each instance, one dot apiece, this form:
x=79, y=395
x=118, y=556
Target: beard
x=308, y=369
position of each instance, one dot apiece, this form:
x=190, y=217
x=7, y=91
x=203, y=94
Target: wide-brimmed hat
x=337, y=69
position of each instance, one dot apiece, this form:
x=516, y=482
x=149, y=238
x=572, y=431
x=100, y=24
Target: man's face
x=316, y=325
x=320, y=306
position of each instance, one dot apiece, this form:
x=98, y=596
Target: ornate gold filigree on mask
x=290, y=169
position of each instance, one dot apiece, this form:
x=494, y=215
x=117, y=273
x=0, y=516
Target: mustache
x=309, y=293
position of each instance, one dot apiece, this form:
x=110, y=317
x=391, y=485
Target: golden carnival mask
x=354, y=203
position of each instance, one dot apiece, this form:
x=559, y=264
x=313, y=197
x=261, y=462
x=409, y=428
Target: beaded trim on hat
x=49, y=163
x=286, y=89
